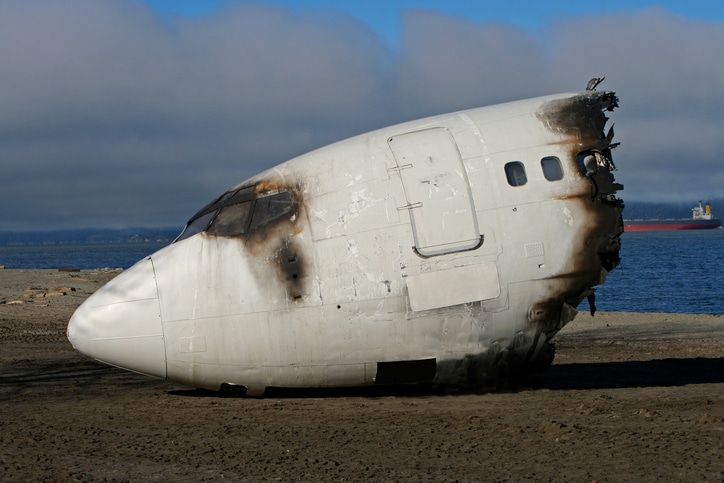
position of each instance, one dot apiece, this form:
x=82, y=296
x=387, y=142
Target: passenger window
x=515, y=172
x=270, y=208
x=551, y=168
x=232, y=219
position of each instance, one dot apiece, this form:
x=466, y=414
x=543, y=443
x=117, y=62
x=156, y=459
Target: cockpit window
x=237, y=212
x=270, y=208
x=196, y=225
x=515, y=173
x=237, y=196
x=232, y=219
x=551, y=168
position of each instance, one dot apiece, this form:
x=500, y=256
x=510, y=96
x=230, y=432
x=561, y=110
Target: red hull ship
x=701, y=219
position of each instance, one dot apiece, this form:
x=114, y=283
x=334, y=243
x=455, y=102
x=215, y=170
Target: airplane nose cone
x=120, y=324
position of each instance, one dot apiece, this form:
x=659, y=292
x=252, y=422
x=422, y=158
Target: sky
x=118, y=113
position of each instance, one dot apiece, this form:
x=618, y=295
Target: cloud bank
x=111, y=115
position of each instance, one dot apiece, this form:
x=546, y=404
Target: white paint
x=385, y=264
x=454, y=286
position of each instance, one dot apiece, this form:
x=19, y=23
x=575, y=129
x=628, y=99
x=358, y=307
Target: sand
x=630, y=397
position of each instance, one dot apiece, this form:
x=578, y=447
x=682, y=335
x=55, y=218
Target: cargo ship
x=701, y=219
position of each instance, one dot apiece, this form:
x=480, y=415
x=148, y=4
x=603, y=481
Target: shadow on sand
x=579, y=376
x=631, y=374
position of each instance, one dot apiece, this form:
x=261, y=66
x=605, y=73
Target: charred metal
x=581, y=121
x=288, y=260
x=265, y=217
x=580, y=117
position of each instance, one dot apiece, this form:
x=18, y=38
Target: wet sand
x=630, y=397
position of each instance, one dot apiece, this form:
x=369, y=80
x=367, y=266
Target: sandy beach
x=630, y=397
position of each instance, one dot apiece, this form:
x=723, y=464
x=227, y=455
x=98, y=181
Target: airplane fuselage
x=447, y=250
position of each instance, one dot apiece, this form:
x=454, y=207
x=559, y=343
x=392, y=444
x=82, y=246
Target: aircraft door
x=437, y=192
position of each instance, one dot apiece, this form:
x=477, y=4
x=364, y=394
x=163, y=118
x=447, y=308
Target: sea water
x=85, y=256
x=661, y=271
x=667, y=271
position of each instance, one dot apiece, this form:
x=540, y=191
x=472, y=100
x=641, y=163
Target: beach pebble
x=64, y=288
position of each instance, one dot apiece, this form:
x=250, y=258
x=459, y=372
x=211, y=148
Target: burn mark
x=506, y=363
x=291, y=271
x=603, y=224
x=580, y=121
x=275, y=239
x=265, y=216
x=580, y=117
x=595, y=253
x=546, y=316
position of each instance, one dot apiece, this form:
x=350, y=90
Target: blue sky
x=383, y=16
x=127, y=112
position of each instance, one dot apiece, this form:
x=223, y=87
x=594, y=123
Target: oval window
x=515, y=172
x=552, y=169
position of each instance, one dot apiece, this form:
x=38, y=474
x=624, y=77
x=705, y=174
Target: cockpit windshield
x=238, y=212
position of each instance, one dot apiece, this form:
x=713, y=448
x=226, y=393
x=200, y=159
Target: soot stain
x=580, y=117
x=289, y=262
x=274, y=242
